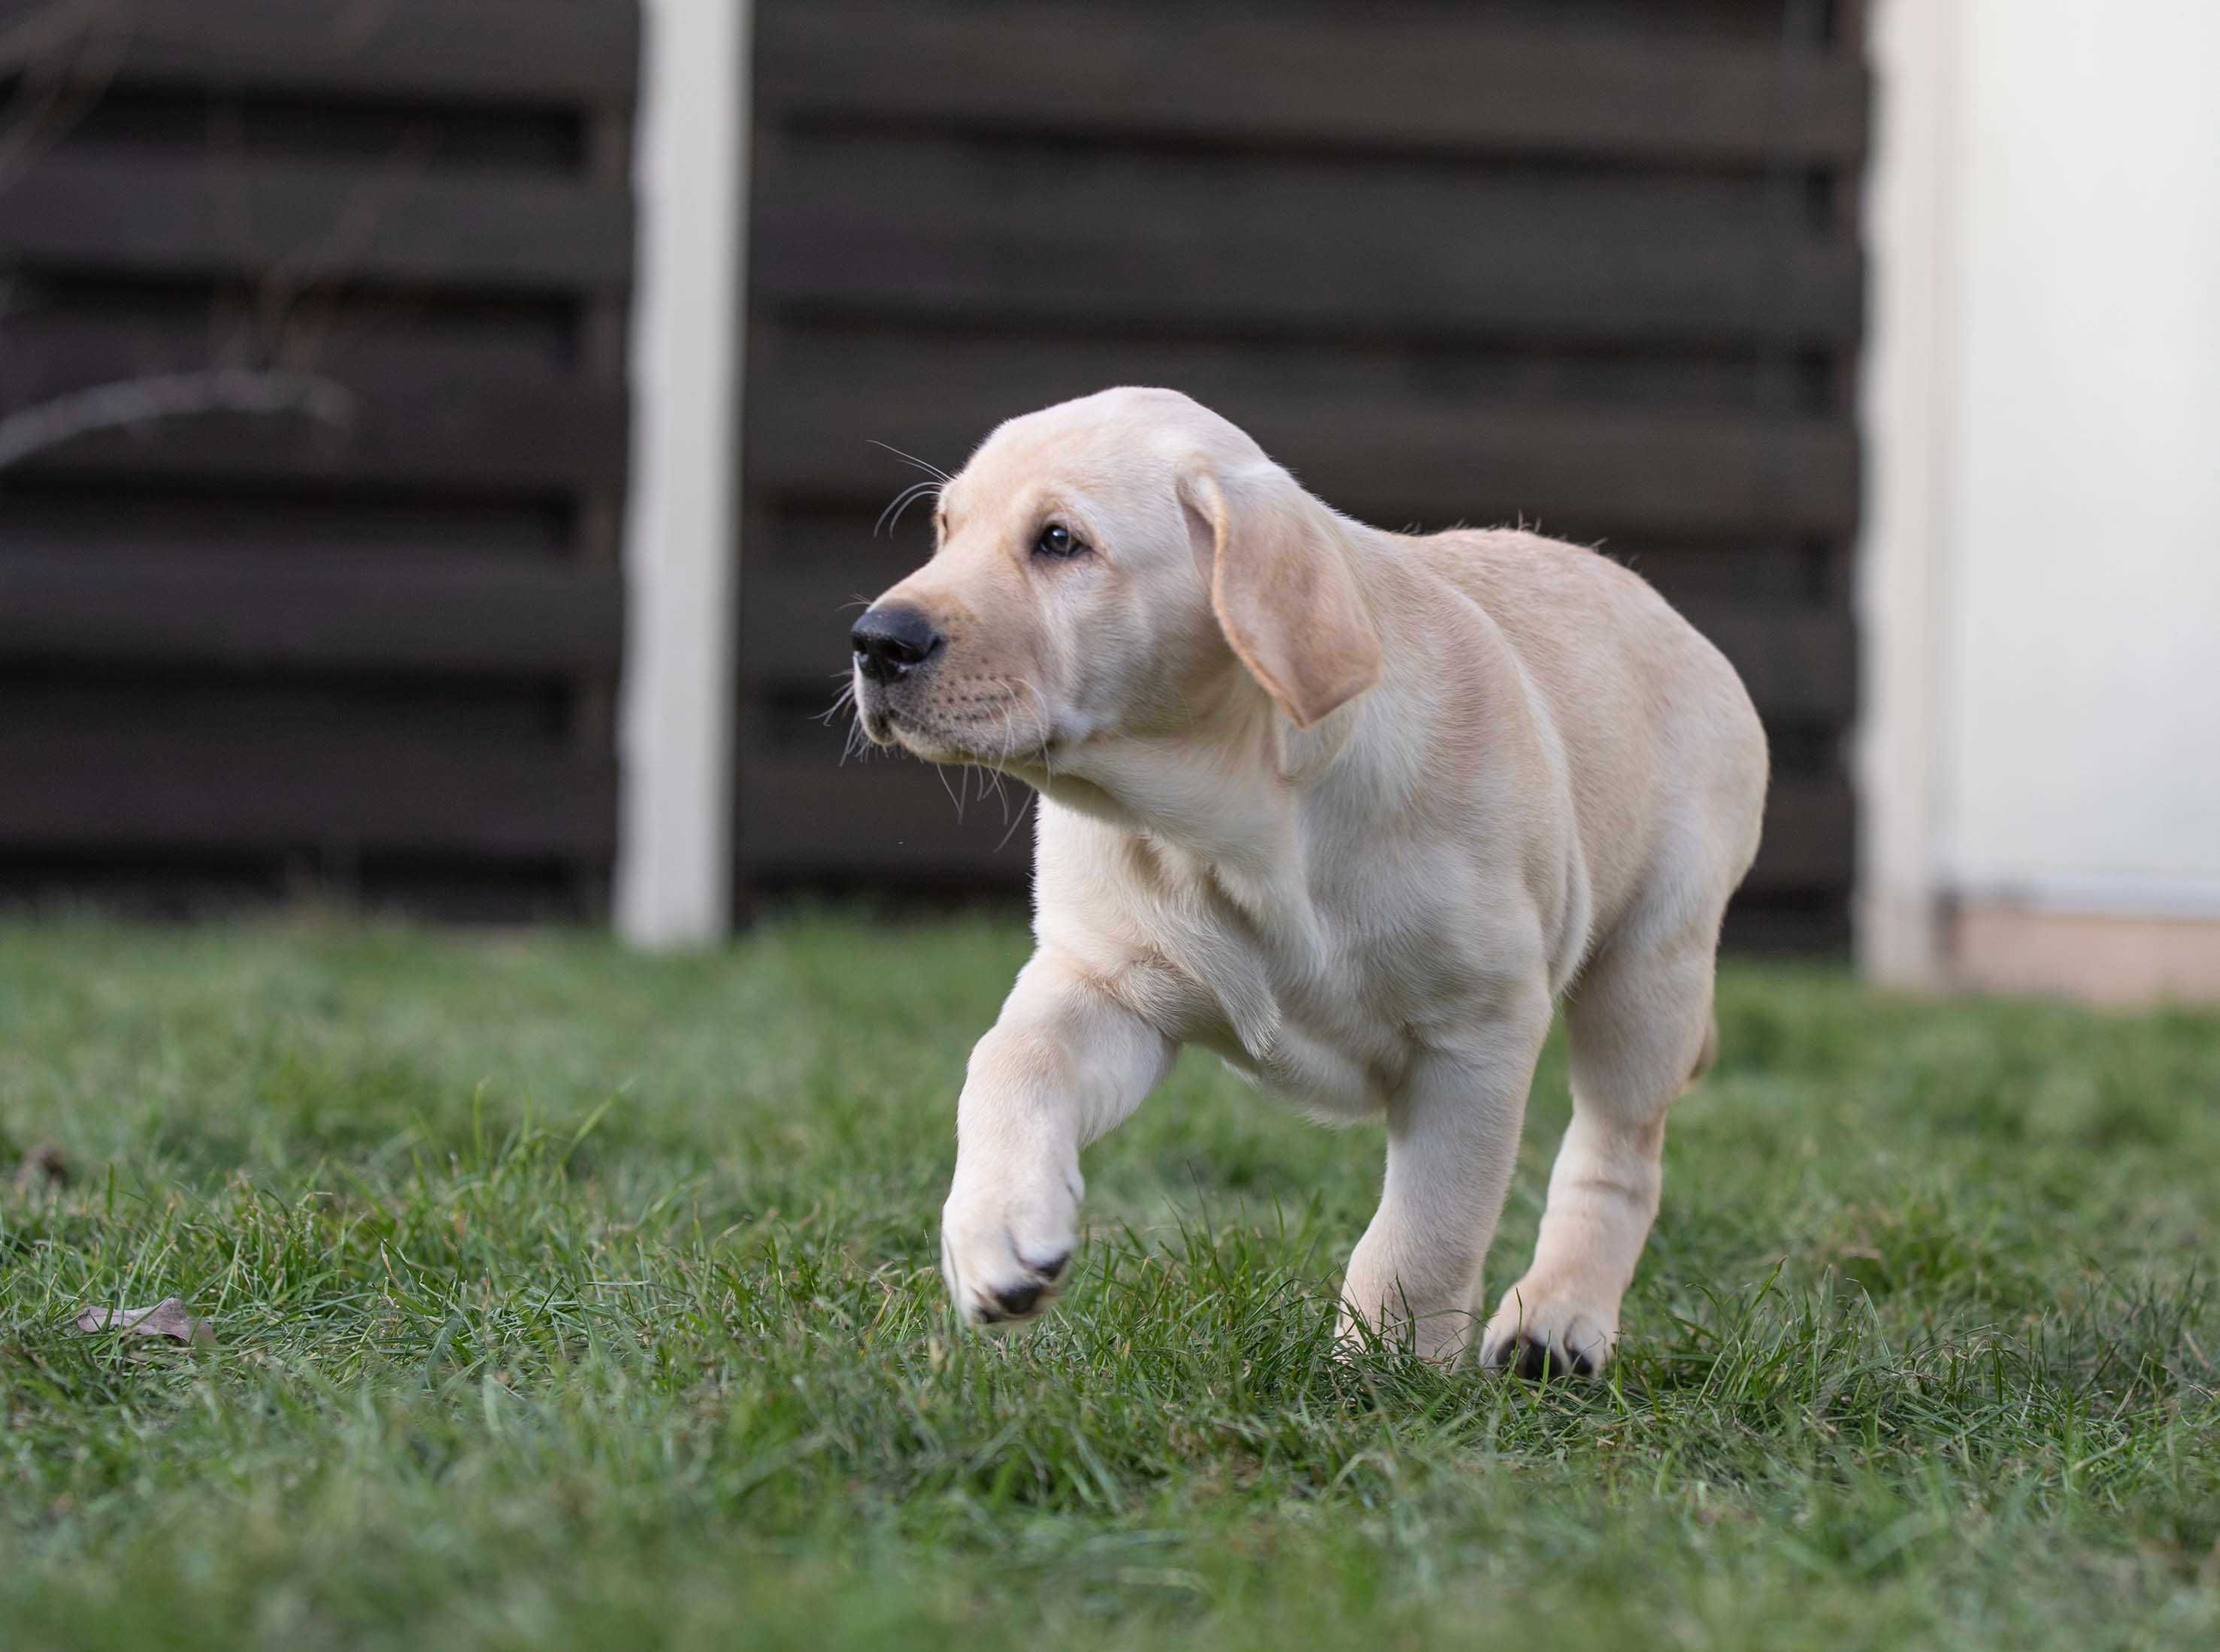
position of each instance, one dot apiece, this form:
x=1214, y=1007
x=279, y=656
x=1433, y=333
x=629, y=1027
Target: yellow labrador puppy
x=1351, y=808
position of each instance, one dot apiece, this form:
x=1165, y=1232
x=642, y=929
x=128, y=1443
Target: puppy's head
x=1102, y=569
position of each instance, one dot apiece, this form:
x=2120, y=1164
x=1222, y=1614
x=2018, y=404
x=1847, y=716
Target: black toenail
x=1019, y=1299
x=1053, y=1268
x=1534, y=1360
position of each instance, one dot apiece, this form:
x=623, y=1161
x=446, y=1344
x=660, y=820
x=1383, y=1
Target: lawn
x=565, y=1298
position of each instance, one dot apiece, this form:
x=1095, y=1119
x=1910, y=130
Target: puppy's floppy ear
x=1283, y=590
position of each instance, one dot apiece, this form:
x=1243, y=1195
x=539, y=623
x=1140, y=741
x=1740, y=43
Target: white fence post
x=675, y=844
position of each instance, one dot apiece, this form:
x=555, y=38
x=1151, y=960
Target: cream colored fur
x=1354, y=810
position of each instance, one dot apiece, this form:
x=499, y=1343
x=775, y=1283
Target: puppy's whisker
x=925, y=465
x=841, y=700
x=932, y=487
x=994, y=772
x=1047, y=727
x=1012, y=830
x=890, y=518
x=940, y=773
x=853, y=741
x=1010, y=737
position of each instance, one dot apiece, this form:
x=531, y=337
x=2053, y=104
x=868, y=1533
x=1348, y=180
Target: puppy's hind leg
x=1641, y=1031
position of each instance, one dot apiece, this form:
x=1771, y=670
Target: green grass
x=572, y=1299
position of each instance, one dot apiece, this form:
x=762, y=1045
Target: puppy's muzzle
x=893, y=639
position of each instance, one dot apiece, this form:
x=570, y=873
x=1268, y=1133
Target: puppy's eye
x=1058, y=541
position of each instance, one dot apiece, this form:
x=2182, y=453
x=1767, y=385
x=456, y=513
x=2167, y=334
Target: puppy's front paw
x=1005, y=1253
x=1538, y=1334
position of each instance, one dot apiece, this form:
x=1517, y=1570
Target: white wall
x=2081, y=646
x=2041, y=573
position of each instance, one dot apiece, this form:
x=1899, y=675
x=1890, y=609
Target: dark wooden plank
x=597, y=525
x=891, y=380
x=881, y=816
x=1809, y=838
x=421, y=424
x=534, y=52
x=894, y=818
x=1398, y=455
x=222, y=888
x=86, y=519
x=1006, y=369
x=118, y=212
x=1800, y=665
x=266, y=611
x=1432, y=80
x=129, y=788
x=193, y=706
x=1807, y=928
x=880, y=226
x=69, y=333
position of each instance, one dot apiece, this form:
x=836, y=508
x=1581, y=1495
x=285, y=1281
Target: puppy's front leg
x=1065, y=1063
x=1452, y=1140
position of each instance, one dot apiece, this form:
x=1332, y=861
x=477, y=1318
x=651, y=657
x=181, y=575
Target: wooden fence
x=324, y=592
x=1592, y=265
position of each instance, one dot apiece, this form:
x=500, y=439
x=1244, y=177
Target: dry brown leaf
x=167, y=1317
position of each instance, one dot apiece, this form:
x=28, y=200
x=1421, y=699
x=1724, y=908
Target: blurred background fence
x=356, y=624
x=436, y=436
x=1593, y=267
x=327, y=592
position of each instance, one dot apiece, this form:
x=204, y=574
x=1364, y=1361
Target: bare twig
x=134, y=402
x=65, y=53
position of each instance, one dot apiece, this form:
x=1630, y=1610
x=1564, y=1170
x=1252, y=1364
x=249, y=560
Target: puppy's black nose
x=893, y=639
